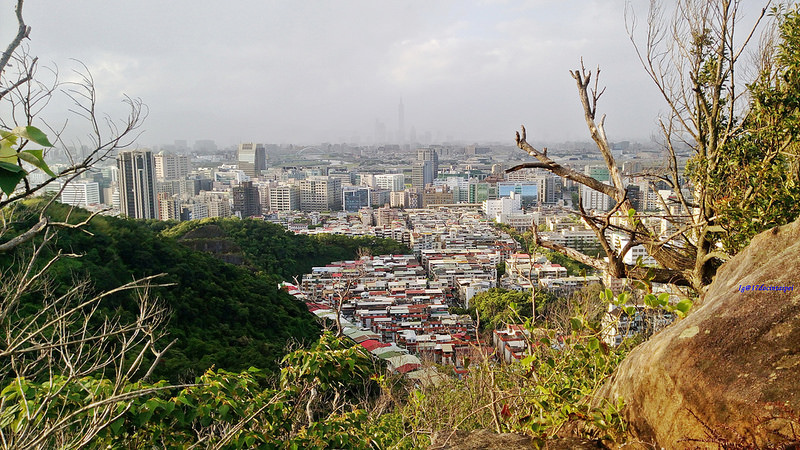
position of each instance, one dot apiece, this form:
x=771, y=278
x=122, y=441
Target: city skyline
x=306, y=73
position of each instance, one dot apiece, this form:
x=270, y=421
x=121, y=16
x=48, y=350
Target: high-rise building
x=217, y=208
x=169, y=206
x=429, y=154
x=137, y=189
x=437, y=195
x=81, y=193
x=391, y=181
x=527, y=190
x=421, y=174
x=321, y=193
x=401, y=123
x=252, y=159
x=246, y=201
x=591, y=199
x=171, y=166
x=355, y=198
x=284, y=198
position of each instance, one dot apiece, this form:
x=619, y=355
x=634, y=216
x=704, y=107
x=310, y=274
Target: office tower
x=170, y=166
x=401, y=123
x=429, y=154
x=591, y=199
x=597, y=172
x=320, y=194
x=355, y=198
x=252, y=159
x=246, y=201
x=421, y=174
x=137, y=189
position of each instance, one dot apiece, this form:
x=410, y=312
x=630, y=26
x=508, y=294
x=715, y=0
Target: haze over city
x=307, y=72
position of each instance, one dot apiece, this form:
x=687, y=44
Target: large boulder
x=730, y=372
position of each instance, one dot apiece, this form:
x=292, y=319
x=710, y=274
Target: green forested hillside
x=270, y=248
x=222, y=315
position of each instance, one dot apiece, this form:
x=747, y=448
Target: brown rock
x=730, y=372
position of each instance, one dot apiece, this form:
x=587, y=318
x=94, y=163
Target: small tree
x=694, y=62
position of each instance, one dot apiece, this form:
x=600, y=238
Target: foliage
x=548, y=391
x=757, y=186
x=270, y=248
x=574, y=268
x=12, y=155
x=221, y=315
x=224, y=409
x=497, y=306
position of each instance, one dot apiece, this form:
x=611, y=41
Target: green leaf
x=576, y=323
x=117, y=425
x=651, y=301
x=593, y=343
x=32, y=134
x=684, y=306
x=10, y=176
x=36, y=157
x=663, y=298
x=631, y=212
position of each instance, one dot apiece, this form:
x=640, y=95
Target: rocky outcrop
x=729, y=372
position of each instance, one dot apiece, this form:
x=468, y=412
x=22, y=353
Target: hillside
x=271, y=249
x=222, y=315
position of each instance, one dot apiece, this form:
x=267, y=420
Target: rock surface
x=729, y=372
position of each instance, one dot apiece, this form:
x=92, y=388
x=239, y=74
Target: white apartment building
x=591, y=199
x=504, y=205
x=620, y=240
x=391, y=181
x=284, y=198
x=170, y=166
x=81, y=193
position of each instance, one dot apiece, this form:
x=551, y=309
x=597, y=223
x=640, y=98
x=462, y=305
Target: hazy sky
x=304, y=72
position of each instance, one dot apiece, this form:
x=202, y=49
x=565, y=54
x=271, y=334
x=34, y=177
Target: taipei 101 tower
x=401, y=124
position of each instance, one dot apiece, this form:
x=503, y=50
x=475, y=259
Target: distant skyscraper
x=421, y=174
x=429, y=154
x=252, y=159
x=401, y=123
x=137, y=189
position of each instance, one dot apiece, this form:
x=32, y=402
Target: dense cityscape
x=430, y=281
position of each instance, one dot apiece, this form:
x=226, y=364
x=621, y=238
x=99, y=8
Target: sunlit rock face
x=730, y=371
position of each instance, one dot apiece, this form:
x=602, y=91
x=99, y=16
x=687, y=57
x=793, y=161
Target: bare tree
x=344, y=286
x=56, y=345
x=690, y=56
